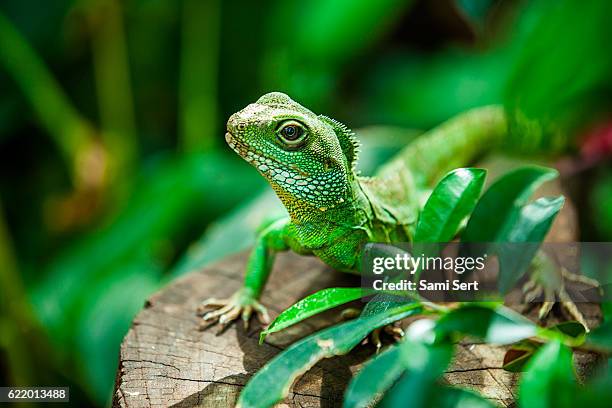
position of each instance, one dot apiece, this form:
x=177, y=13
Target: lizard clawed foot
x=230, y=309
x=534, y=289
x=393, y=330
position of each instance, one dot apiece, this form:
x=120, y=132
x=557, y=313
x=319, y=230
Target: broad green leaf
x=311, y=305
x=534, y=220
x=497, y=208
x=601, y=337
x=453, y=199
x=529, y=226
x=503, y=216
x=271, y=383
x=498, y=325
x=549, y=378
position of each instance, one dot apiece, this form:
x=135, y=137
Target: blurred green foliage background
x=114, y=175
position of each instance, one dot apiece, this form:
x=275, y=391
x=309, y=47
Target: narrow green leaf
x=498, y=325
x=375, y=378
x=311, y=305
x=601, y=337
x=272, y=383
x=381, y=303
x=451, y=201
x=498, y=204
x=549, y=378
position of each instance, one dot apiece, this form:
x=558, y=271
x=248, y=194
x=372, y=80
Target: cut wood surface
x=166, y=361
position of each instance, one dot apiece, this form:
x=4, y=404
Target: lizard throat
x=294, y=187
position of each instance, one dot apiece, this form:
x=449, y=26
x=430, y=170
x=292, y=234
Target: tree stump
x=166, y=361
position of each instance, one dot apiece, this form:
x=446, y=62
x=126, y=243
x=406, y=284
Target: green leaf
x=376, y=377
x=499, y=325
x=418, y=360
x=552, y=84
x=503, y=216
x=549, y=378
x=518, y=355
x=451, y=201
x=424, y=364
x=606, y=308
x=271, y=384
x=534, y=220
x=497, y=208
x=601, y=337
x=450, y=397
x=311, y=305
x=529, y=225
x=475, y=12
x=572, y=329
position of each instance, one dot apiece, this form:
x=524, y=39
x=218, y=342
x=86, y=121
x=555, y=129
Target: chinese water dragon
x=309, y=160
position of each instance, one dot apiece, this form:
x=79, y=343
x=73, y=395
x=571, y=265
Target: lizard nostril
x=241, y=126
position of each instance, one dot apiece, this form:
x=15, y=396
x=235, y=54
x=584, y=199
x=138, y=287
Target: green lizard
x=309, y=160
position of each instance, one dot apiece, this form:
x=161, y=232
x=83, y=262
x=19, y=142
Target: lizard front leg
x=245, y=301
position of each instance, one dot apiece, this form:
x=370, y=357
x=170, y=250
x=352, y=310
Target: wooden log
x=166, y=361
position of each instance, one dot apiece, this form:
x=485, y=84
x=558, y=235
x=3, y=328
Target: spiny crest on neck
x=348, y=142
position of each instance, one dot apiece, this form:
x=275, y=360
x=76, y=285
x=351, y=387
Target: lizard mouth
x=238, y=146
x=250, y=155
x=256, y=158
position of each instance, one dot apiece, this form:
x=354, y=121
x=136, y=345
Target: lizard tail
x=455, y=143
x=463, y=139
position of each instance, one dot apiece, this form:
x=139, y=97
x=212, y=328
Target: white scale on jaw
x=293, y=182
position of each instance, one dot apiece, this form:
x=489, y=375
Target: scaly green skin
x=332, y=210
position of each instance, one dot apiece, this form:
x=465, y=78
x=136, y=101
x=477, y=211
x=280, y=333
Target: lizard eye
x=292, y=133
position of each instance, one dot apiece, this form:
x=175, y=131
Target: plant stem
x=16, y=319
x=113, y=85
x=198, y=74
x=71, y=133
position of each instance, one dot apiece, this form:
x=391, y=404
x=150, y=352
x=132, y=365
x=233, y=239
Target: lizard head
x=307, y=158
